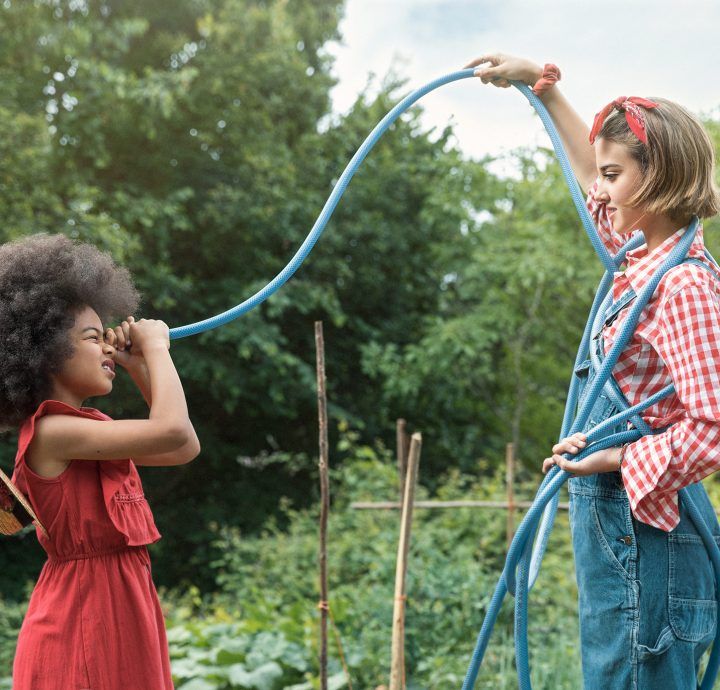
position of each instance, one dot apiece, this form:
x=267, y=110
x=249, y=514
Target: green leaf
x=262, y=678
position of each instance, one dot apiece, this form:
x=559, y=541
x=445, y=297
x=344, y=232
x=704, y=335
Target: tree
x=196, y=144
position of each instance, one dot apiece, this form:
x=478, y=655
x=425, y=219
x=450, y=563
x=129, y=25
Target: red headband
x=633, y=114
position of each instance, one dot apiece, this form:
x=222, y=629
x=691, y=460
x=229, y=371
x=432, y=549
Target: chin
x=99, y=392
x=621, y=225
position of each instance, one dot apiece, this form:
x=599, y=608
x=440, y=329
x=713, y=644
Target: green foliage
x=496, y=356
x=260, y=630
x=11, y=616
x=268, y=592
x=194, y=142
x=221, y=655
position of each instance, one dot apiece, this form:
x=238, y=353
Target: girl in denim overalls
x=646, y=587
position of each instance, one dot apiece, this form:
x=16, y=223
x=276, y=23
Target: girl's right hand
x=119, y=337
x=503, y=68
x=146, y=333
x=571, y=444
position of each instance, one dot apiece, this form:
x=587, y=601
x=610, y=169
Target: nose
x=108, y=349
x=602, y=194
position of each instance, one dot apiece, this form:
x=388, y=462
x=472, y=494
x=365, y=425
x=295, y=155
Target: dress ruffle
x=125, y=502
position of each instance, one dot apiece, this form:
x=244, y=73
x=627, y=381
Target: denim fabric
x=646, y=597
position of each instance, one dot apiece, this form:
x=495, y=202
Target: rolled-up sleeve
x=656, y=467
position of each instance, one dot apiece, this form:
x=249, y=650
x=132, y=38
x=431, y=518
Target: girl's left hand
x=607, y=460
x=119, y=338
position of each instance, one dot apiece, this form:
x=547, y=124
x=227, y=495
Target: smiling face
x=91, y=369
x=619, y=178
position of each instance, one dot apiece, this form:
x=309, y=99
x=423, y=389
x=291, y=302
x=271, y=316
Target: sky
x=603, y=49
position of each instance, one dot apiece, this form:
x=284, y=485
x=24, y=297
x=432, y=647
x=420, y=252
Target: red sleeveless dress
x=94, y=621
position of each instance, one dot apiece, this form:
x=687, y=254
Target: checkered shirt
x=677, y=341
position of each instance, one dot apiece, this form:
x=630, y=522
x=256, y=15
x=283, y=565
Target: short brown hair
x=677, y=164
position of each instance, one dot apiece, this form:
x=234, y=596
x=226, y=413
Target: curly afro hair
x=44, y=281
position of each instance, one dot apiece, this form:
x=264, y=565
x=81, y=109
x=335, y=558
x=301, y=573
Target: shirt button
x=627, y=540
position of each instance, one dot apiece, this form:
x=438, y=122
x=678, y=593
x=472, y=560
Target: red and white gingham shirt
x=677, y=340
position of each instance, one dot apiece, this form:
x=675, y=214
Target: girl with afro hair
x=94, y=620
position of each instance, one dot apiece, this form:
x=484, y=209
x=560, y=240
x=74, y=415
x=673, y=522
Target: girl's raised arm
x=574, y=133
x=61, y=438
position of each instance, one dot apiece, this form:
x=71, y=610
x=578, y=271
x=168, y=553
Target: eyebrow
x=603, y=168
x=92, y=328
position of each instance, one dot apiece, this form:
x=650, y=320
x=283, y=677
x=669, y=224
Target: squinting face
x=91, y=369
x=619, y=176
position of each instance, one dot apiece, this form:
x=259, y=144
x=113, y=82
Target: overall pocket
x=615, y=534
x=692, y=607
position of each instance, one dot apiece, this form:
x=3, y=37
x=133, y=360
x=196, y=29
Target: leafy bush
x=260, y=629
x=264, y=616
x=11, y=616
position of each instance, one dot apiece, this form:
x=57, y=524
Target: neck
x=65, y=395
x=657, y=229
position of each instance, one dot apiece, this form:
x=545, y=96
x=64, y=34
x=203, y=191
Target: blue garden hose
x=351, y=168
x=325, y=214
x=526, y=553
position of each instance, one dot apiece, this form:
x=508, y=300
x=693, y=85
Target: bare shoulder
x=39, y=455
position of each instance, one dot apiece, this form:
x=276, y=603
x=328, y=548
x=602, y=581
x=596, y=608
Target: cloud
x=604, y=50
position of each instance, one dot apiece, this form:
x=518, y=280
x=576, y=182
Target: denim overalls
x=646, y=597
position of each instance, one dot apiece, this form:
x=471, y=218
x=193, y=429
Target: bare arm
x=63, y=437
x=181, y=456
x=574, y=133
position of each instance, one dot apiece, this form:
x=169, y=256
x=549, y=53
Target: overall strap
x=612, y=389
x=714, y=269
x=612, y=311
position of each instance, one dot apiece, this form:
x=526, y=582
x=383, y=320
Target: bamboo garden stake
x=397, y=663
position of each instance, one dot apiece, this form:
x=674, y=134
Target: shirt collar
x=641, y=265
